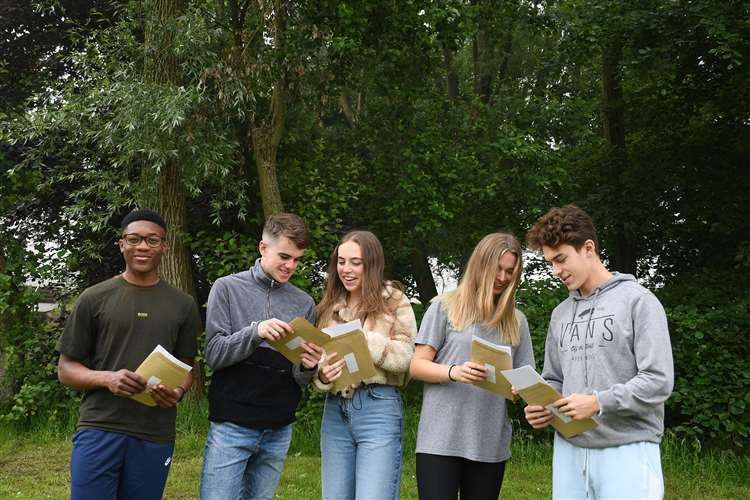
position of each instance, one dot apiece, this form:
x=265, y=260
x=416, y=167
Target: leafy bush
x=224, y=254
x=27, y=343
x=709, y=325
x=537, y=299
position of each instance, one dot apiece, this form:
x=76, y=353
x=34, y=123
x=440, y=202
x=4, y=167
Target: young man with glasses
x=254, y=389
x=608, y=352
x=122, y=448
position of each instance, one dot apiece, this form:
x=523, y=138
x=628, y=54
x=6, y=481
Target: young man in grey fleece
x=608, y=352
x=255, y=390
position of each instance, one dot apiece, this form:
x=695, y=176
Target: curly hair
x=563, y=225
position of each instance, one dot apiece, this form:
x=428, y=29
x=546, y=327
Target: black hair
x=143, y=214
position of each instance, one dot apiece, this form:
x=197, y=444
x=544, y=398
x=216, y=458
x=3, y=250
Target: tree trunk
x=423, y=276
x=177, y=266
x=4, y=316
x=265, y=149
x=164, y=191
x=346, y=108
x=482, y=50
x=267, y=136
x=507, y=53
x=489, y=45
x=451, y=75
x=160, y=63
x=5, y=321
x=623, y=255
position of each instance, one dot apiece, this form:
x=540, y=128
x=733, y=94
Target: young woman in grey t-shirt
x=464, y=432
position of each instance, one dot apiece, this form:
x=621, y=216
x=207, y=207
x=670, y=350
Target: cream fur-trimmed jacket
x=390, y=338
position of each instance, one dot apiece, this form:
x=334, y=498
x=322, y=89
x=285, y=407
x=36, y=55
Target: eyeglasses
x=134, y=239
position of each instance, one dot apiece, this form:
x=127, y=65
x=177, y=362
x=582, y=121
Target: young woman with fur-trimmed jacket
x=361, y=433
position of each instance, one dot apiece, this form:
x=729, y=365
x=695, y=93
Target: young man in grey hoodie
x=254, y=389
x=608, y=352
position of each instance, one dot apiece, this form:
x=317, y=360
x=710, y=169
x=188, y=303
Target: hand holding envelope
x=274, y=329
x=537, y=392
x=346, y=340
x=494, y=358
x=331, y=367
x=311, y=355
x=349, y=341
x=160, y=368
x=294, y=341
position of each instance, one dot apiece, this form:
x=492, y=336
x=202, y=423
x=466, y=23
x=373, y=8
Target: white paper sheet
x=171, y=358
x=523, y=377
x=498, y=347
x=336, y=330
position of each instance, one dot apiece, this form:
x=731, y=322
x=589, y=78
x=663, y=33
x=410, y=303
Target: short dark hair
x=563, y=225
x=288, y=225
x=143, y=214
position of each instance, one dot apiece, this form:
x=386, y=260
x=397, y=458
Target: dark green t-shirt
x=115, y=325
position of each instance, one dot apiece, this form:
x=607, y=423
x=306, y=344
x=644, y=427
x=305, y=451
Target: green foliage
x=536, y=299
x=221, y=255
x=709, y=325
x=306, y=438
x=27, y=343
x=430, y=123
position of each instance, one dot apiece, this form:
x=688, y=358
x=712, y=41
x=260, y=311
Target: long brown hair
x=373, y=301
x=473, y=300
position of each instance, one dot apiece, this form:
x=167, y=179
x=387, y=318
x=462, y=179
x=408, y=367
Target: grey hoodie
x=614, y=342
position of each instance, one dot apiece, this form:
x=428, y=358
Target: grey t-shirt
x=462, y=420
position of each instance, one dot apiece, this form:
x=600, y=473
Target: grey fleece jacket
x=614, y=342
x=237, y=303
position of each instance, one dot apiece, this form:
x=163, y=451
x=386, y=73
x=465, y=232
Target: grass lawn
x=35, y=465
x=38, y=468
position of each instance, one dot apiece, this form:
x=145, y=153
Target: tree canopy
x=429, y=122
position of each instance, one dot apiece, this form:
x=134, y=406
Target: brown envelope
x=358, y=366
x=160, y=364
x=289, y=346
x=545, y=395
x=484, y=354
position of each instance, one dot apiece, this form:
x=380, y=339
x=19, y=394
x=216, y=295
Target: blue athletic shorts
x=107, y=464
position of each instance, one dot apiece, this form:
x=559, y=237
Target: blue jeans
x=105, y=464
x=360, y=442
x=618, y=472
x=240, y=462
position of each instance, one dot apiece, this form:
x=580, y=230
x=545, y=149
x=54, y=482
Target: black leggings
x=441, y=478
